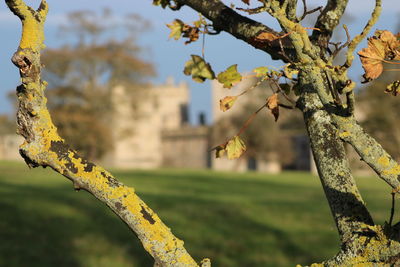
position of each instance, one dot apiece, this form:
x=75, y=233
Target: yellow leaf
x=260, y=71
x=176, y=28
x=198, y=69
x=229, y=77
x=227, y=102
x=235, y=147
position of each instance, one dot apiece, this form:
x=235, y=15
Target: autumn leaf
x=235, y=147
x=273, y=106
x=176, y=29
x=393, y=88
x=260, y=71
x=371, y=58
x=179, y=28
x=267, y=37
x=227, y=102
x=229, y=77
x=392, y=44
x=198, y=69
x=382, y=46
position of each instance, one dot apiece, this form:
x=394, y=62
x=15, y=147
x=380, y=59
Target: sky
x=167, y=55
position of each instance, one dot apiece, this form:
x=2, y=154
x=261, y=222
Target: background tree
x=326, y=100
x=100, y=52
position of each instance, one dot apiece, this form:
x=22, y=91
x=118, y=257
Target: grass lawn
x=235, y=219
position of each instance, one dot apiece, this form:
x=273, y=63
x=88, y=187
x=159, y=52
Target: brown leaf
x=247, y=2
x=371, y=58
x=267, y=37
x=273, y=105
x=384, y=45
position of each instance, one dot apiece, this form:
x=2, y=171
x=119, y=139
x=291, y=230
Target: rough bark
x=226, y=19
x=44, y=147
x=347, y=206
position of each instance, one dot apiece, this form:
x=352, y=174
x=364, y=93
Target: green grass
x=235, y=219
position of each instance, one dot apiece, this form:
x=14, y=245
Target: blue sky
x=169, y=56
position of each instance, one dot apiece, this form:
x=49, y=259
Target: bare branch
x=308, y=12
x=243, y=28
x=370, y=151
x=327, y=22
x=354, y=43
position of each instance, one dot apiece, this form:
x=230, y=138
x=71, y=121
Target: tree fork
x=345, y=201
x=44, y=147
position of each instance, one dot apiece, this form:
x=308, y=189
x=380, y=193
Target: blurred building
x=9, y=147
x=153, y=131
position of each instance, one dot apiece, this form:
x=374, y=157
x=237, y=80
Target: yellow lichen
x=344, y=134
x=384, y=161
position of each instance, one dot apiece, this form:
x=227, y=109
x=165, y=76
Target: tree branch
x=370, y=151
x=327, y=22
x=345, y=201
x=44, y=147
x=354, y=43
x=243, y=28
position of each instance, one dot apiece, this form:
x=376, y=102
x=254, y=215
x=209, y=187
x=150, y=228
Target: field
x=235, y=219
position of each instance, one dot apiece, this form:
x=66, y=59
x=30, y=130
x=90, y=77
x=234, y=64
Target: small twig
x=337, y=47
x=283, y=52
x=283, y=93
x=254, y=86
x=356, y=40
x=203, y=42
x=332, y=89
x=306, y=12
x=392, y=209
x=249, y=120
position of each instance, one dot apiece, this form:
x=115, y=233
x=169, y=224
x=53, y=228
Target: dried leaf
x=227, y=102
x=260, y=71
x=229, y=77
x=393, y=88
x=192, y=33
x=267, y=37
x=235, y=147
x=371, y=58
x=392, y=45
x=383, y=45
x=273, y=105
x=179, y=28
x=198, y=69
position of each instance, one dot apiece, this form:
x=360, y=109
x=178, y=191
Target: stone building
x=151, y=130
x=155, y=132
